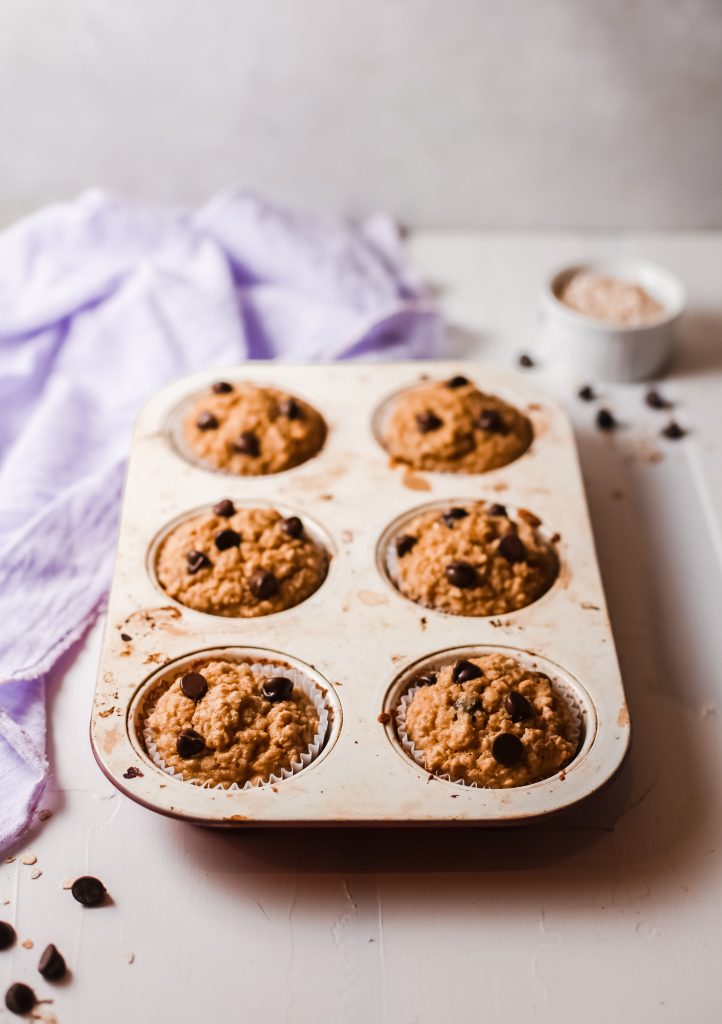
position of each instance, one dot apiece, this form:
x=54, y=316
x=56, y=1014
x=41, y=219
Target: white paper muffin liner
x=563, y=690
x=263, y=671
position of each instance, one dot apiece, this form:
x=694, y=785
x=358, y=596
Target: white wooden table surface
x=612, y=912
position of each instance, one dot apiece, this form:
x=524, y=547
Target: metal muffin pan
x=359, y=638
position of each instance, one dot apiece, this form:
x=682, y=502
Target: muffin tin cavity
x=354, y=639
x=452, y=425
x=245, y=429
x=240, y=559
x=469, y=557
x=157, y=728
x=582, y=718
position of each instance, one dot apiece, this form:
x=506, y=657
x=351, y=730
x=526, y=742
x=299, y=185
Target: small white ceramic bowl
x=599, y=350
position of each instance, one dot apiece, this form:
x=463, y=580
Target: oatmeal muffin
x=219, y=723
x=251, y=431
x=453, y=427
x=474, y=560
x=491, y=722
x=241, y=562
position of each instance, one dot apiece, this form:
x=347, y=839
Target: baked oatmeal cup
x=249, y=430
x=473, y=558
x=453, y=427
x=240, y=561
x=219, y=723
x=488, y=721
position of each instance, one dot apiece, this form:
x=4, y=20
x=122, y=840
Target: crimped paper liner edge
x=266, y=670
x=567, y=693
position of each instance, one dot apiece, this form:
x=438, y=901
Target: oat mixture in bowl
x=240, y=561
x=225, y=723
x=611, y=299
x=488, y=721
x=453, y=427
x=248, y=430
x=475, y=558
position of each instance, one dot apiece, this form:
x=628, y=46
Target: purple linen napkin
x=102, y=303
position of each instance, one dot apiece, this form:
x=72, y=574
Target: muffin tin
x=360, y=640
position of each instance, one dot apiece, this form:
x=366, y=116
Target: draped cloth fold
x=102, y=302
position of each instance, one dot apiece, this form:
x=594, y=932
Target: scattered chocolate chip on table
x=88, y=890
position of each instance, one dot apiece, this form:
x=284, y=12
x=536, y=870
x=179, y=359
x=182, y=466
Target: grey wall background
x=453, y=113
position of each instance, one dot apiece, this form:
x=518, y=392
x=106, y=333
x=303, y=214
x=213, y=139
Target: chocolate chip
x=512, y=548
x=452, y=515
x=247, y=444
x=404, y=543
x=462, y=575
x=292, y=527
x=276, y=689
x=465, y=671
x=498, y=510
x=518, y=706
x=133, y=773
x=194, y=686
x=7, y=935
x=673, y=431
x=221, y=387
x=587, y=393
x=52, y=964
x=189, y=744
x=428, y=421
x=526, y=361
x=227, y=539
x=506, y=748
x=88, y=890
x=20, y=998
x=207, y=421
x=290, y=408
x=125, y=637
x=196, y=561
x=426, y=680
x=263, y=584
x=225, y=508
x=656, y=401
x=457, y=382
x=490, y=420
x=605, y=420
x=467, y=704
